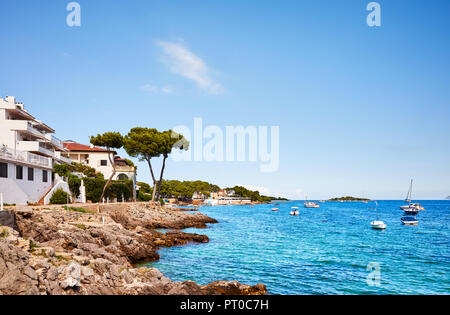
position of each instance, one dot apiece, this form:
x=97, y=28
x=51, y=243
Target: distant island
x=348, y=198
x=448, y=198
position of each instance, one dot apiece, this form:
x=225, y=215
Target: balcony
x=24, y=126
x=17, y=156
x=62, y=158
x=34, y=146
x=125, y=169
x=55, y=141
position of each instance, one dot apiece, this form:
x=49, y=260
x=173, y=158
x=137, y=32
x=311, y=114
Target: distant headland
x=448, y=198
x=348, y=198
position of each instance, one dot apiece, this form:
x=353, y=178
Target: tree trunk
x=161, y=177
x=110, y=178
x=154, y=179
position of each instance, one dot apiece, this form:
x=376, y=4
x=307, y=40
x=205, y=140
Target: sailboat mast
x=409, y=195
x=410, y=191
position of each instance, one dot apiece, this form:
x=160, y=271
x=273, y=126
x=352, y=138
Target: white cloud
x=156, y=89
x=183, y=62
x=262, y=190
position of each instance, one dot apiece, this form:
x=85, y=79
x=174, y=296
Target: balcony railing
x=55, y=141
x=62, y=158
x=24, y=157
x=125, y=169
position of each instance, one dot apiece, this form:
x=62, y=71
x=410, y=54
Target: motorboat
x=377, y=224
x=410, y=220
x=311, y=204
x=413, y=207
x=412, y=212
x=295, y=212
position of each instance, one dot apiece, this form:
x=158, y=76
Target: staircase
x=41, y=202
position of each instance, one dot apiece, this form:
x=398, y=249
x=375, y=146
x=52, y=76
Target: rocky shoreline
x=93, y=250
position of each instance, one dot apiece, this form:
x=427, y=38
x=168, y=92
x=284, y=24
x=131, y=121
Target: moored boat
x=295, y=211
x=310, y=204
x=413, y=207
x=377, y=224
x=275, y=209
x=410, y=220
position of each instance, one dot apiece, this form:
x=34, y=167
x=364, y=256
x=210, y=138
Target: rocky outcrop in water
x=68, y=251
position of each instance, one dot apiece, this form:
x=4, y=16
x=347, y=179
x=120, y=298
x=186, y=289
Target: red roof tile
x=73, y=146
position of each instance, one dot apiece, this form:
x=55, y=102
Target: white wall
x=59, y=184
x=20, y=192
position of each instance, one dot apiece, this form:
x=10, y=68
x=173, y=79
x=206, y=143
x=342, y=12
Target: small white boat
x=378, y=225
x=410, y=220
x=310, y=204
x=295, y=212
x=275, y=209
x=413, y=207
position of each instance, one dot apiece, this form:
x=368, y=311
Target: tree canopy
x=109, y=140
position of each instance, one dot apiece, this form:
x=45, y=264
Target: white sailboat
x=409, y=195
x=411, y=207
x=378, y=225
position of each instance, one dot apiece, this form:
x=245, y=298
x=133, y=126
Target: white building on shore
x=100, y=159
x=28, y=151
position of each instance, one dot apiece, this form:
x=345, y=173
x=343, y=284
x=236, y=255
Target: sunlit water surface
x=323, y=251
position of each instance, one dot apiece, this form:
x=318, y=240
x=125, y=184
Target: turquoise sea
x=323, y=251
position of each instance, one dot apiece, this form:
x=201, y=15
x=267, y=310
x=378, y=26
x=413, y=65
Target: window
x=103, y=162
x=31, y=174
x=3, y=170
x=19, y=172
x=45, y=176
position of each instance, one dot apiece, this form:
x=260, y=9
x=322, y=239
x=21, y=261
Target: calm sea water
x=323, y=251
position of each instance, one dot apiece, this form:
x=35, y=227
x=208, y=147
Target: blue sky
x=361, y=110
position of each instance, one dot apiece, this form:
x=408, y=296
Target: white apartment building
x=28, y=151
x=100, y=160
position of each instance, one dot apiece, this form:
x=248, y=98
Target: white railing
x=62, y=158
x=24, y=157
x=55, y=141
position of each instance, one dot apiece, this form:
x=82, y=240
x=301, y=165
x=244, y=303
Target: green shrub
x=84, y=169
x=144, y=197
x=74, y=185
x=119, y=189
x=94, y=188
x=74, y=209
x=4, y=233
x=59, y=197
x=62, y=170
x=33, y=246
x=82, y=226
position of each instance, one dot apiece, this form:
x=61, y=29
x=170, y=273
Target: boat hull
x=379, y=225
